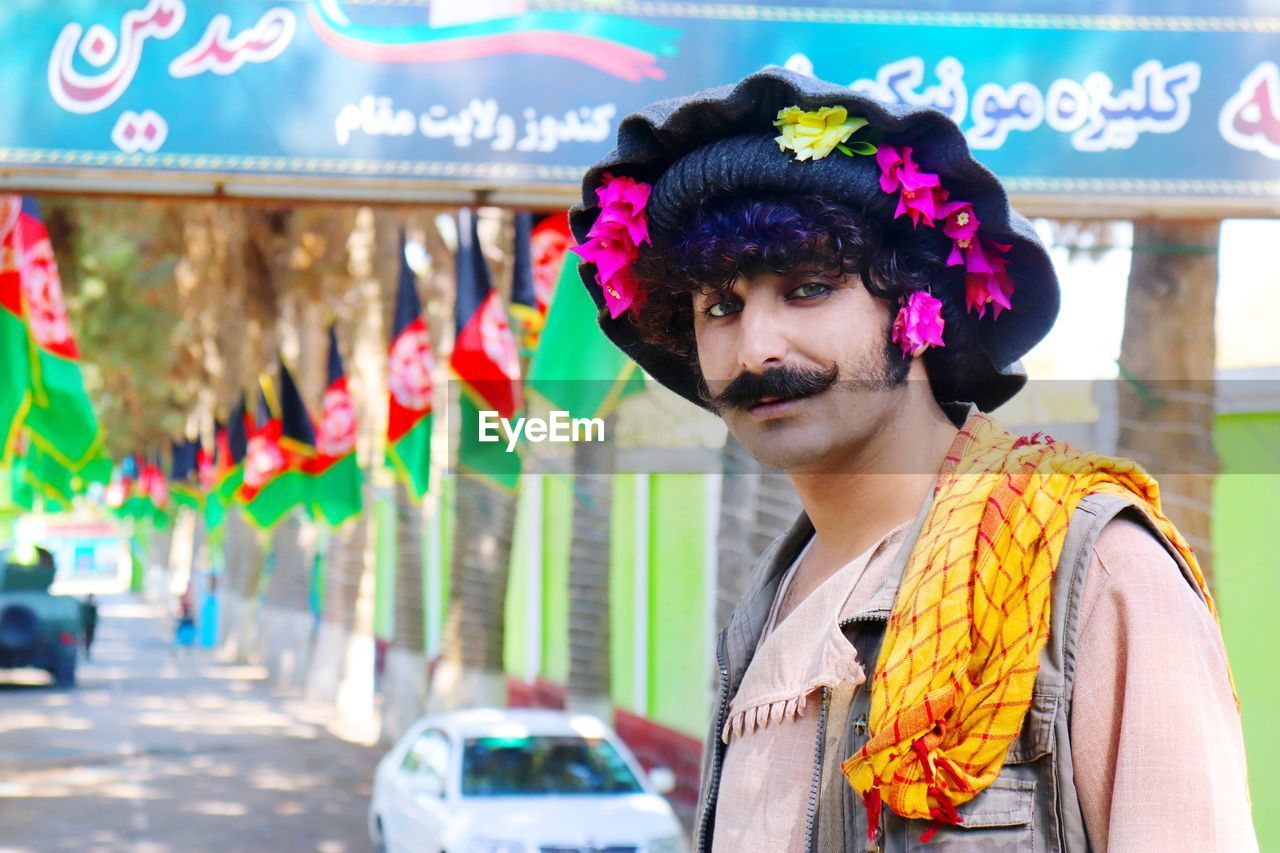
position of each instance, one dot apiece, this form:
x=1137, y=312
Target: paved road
x=153, y=753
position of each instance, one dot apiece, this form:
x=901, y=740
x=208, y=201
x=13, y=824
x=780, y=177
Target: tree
x=589, y=559
x=470, y=671
x=342, y=666
x=405, y=680
x=1167, y=393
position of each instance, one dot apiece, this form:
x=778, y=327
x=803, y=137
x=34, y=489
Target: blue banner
x=1169, y=102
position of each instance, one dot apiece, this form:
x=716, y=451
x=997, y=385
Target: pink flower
x=920, y=192
x=919, y=324
x=610, y=249
x=985, y=281
x=613, y=241
x=622, y=203
x=961, y=225
x=613, y=254
x=890, y=162
x=622, y=292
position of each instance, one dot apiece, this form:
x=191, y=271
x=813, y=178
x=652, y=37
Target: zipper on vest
x=819, y=752
x=717, y=760
x=860, y=725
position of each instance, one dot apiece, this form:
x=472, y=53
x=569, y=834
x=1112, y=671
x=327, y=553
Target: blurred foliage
x=117, y=261
x=178, y=306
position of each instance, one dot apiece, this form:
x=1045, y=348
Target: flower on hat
x=813, y=134
x=613, y=241
x=919, y=193
x=919, y=323
x=610, y=249
x=622, y=202
x=985, y=281
x=961, y=224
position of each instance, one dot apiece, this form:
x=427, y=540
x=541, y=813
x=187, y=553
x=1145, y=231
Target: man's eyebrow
x=812, y=270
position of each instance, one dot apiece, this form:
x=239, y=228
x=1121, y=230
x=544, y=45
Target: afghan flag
x=577, y=369
x=410, y=365
x=158, y=489
x=40, y=482
x=150, y=499
x=526, y=315
x=274, y=478
x=548, y=242
x=60, y=417
x=121, y=490
x=184, y=474
x=336, y=477
x=230, y=444
x=15, y=369
x=485, y=361
x=98, y=470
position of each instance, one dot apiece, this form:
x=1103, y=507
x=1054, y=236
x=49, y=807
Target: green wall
x=515, y=652
x=447, y=503
x=678, y=682
x=384, y=531
x=676, y=659
x=1246, y=567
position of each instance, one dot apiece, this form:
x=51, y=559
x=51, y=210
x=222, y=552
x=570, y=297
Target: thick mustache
x=781, y=383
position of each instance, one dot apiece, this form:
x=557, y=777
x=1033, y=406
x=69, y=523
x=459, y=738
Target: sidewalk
x=155, y=752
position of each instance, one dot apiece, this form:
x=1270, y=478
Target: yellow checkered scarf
x=962, y=646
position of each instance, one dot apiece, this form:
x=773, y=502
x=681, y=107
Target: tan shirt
x=1156, y=743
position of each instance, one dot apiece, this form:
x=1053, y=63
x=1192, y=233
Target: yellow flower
x=814, y=134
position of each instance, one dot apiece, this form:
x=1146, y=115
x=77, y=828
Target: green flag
x=37, y=475
x=576, y=368
x=60, y=417
x=337, y=487
x=284, y=441
x=230, y=444
x=485, y=360
x=409, y=403
x=15, y=370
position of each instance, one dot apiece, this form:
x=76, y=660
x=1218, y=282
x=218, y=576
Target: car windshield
x=520, y=766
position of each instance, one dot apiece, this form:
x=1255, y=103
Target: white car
x=519, y=781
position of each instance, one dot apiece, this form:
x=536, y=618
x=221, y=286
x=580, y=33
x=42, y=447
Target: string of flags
x=276, y=458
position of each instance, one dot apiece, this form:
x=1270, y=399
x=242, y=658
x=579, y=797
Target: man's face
x=818, y=343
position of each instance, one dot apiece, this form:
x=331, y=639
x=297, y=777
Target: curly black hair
x=730, y=236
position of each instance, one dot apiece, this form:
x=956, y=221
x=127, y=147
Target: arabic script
x=479, y=120
x=1097, y=114
x=1250, y=119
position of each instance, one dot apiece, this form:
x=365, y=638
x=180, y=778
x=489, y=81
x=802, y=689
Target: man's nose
x=763, y=345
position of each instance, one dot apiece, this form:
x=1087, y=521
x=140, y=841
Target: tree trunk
x=1167, y=394
x=405, y=680
x=470, y=671
x=589, y=558
x=342, y=670
x=285, y=644
x=243, y=546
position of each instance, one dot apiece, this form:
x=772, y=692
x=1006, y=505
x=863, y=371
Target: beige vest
x=1032, y=804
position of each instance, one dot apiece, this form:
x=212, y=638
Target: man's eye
x=721, y=309
x=811, y=289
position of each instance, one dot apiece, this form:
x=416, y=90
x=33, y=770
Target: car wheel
x=64, y=671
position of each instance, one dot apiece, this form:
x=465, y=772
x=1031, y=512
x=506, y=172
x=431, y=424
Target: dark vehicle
x=37, y=629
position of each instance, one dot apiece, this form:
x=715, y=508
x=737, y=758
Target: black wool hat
x=722, y=141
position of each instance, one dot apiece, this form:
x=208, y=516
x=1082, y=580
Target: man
x=967, y=639
x=89, y=622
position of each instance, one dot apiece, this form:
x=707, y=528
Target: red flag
x=484, y=354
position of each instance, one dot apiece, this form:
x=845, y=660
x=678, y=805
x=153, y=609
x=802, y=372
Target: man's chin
x=784, y=444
